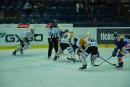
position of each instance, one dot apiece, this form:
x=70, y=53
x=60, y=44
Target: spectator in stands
x=32, y=21
x=27, y=7
x=40, y=8
x=109, y=3
x=79, y=7
x=119, y=14
x=1, y=16
x=34, y=5
x=8, y=15
x=16, y=16
x=94, y=22
x=90, y=10
x=85, y=5
x=55, y=2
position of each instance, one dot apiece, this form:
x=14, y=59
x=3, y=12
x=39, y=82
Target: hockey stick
x=14, y=46
x=105, y=61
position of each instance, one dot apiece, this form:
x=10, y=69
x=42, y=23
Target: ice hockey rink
x=34, y=69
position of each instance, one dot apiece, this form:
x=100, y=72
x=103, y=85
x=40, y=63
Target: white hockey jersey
x=67, y=37
x=27, y=34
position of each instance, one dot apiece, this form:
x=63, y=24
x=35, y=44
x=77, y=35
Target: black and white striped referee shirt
x=53, y=32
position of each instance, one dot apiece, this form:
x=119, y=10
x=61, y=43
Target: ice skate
x=55, y=58
x=120, y=65
x=14, y=53
x=83, y=67
x=21, y=51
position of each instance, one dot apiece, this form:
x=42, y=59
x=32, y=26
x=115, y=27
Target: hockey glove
x=113, y=54
x=35, y=35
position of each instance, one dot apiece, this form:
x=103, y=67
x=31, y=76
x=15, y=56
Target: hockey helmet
x=66, y=30
x=32, y=28
x=116, y=34
x=88, y=34
x=55, y=21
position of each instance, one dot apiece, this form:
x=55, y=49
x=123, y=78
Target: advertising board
x=106, y=36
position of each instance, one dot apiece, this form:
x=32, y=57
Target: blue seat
x=3, y=7
x=20, y=3
x=67, y=12
x=20, y=8
x=59, y=7
x=37, y=16
x=76, y=24
x=6, y=3
x=14, y=3
x=11, y=7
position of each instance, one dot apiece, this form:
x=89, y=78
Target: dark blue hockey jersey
x=121, y=41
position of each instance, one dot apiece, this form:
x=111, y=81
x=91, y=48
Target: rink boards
x=9, y=34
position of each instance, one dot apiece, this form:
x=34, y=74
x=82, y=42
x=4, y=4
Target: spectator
x=85, y=5
x=8, y=15
x=108, y=3
x=1, y=16
x=119, y=14
x=94, y=22
x=16, y=16
x=90, y=10
x=27, y=7
x=34, y=5
x=79, y=7
x=32, y=21
x=40, y=8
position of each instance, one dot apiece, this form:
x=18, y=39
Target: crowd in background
x=82, y=13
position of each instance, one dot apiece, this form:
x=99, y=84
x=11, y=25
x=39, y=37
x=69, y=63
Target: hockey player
x=24, y=40
x=90, y=48
x=74, y=46
x=122, y=43
x=65, y=43
x=62, y=35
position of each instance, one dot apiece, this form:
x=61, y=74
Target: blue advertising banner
x=106, y=36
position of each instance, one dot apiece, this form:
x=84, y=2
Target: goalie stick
x=105, y=61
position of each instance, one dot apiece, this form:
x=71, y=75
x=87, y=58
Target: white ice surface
x=34, y=69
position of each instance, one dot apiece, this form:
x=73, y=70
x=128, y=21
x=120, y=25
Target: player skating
x=24, y=40
x=122, y=43
x=90, y=48
x=65, y=43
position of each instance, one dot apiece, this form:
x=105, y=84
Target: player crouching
x=122, y=43
x=24, y=40
x=90, y=48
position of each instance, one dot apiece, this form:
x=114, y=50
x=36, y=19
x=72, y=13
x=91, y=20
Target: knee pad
x=26, y=45
x=70, y=49
x=94, y=57
x=84, y=54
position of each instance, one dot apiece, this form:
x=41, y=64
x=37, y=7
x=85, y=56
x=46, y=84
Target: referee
x=53, y=38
